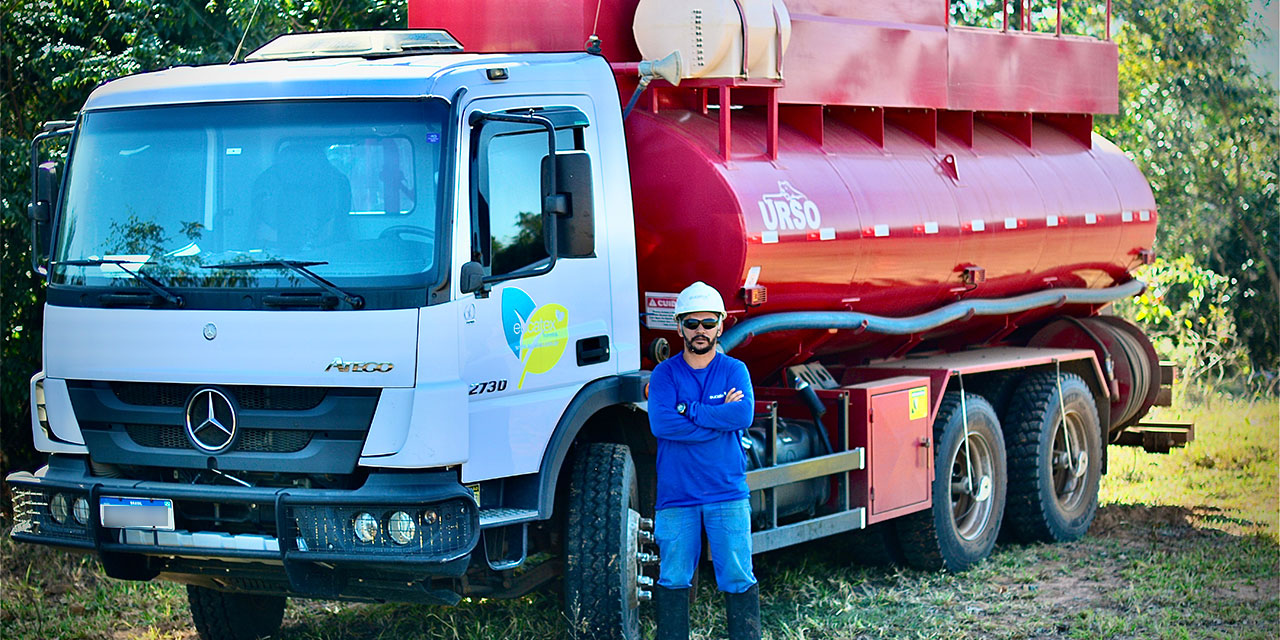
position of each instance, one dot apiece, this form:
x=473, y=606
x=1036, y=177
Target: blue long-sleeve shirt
x=700, y=457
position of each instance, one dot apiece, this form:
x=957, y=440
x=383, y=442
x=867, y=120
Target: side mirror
x=40, y=210
x=46, y=184
x=471, y=280
x=575, y=226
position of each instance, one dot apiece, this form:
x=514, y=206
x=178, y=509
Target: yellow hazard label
x=475, y=489
x=919, y=403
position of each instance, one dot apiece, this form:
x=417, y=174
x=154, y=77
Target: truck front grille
x=251, y=440
x=251, y=397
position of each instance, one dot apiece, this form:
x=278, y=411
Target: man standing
x=699, y=405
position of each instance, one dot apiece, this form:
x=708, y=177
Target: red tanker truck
x=373, y=312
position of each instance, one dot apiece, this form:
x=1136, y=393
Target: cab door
x=542, y=329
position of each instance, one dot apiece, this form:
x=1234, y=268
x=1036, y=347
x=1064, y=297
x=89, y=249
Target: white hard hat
x=700, y=296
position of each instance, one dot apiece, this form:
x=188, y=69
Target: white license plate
x=136, y=513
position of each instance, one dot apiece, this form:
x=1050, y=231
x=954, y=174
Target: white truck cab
x=328, y=325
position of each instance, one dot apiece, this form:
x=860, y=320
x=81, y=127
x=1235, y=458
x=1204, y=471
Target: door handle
x=593, y=350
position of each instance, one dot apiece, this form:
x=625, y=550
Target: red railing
x=1027, y=14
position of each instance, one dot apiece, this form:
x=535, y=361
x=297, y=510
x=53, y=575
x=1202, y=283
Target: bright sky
x=1266, y=56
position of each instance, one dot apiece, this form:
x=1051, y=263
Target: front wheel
x=1055, y=459
x=601, y=544
x=970, y=475
x=221, y=615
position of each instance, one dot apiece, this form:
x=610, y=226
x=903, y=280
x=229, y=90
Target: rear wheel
x=1055, y=464
x=601, y=544
x=968, y=490
x=221, y=615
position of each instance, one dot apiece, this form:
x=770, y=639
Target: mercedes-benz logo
x=210, y=331
x=211, y=420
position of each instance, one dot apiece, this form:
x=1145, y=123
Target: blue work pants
x=678, y=531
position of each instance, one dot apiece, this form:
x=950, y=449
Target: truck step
x=503, y=516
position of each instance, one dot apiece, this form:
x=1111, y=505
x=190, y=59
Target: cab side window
x=513, y=192
x=507, y=193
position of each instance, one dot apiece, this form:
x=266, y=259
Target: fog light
x=401, y=528
x=59, y=508
x=430, y=516
x=366, y=527
x=80, y=510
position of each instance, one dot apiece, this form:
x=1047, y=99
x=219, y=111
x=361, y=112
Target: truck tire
x=960, y=528
x=219, y=615
x=1053, y=493
x=601, y=567
x=998, y=389
x=875, y=546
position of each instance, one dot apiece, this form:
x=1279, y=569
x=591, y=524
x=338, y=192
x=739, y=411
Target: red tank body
x=849, y=225
x=893, y=162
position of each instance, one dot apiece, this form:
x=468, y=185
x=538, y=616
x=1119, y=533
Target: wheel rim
x=1070, y=470
x=971, y=490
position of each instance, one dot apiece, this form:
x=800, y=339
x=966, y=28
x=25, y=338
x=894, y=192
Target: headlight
x=401, y=528
x=366, y=527
x=59, y=508
x=80, y=510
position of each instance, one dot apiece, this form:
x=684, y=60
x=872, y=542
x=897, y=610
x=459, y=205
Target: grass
x=1185, y=546
x=1227, y=476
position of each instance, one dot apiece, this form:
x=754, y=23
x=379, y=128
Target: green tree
x=1203, y=127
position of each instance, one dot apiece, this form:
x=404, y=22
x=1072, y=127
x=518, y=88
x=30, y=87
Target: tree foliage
x=1202, y=126
x=1187, y=312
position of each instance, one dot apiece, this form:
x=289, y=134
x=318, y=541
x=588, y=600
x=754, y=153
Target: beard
x=698, y=347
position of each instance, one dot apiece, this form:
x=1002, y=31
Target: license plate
x=136, y=513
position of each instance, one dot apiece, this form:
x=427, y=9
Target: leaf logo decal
x=517, y=306
x=544, y=339
x=536, y=335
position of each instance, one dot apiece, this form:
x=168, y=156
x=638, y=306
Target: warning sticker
x=919, y=402
x=660, y=310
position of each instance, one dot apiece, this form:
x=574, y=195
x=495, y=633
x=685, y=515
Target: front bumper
x=297, y=542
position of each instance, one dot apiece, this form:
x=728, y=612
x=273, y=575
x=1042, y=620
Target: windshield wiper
x=299, y=266
x=154, y=285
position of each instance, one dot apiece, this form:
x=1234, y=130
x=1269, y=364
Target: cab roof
x=410, y=76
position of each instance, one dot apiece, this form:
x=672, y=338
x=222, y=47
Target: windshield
x=351, y=184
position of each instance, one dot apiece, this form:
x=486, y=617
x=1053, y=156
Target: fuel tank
x=892, y=230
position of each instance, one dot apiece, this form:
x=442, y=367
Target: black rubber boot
x=743, y=611
x=673, y=613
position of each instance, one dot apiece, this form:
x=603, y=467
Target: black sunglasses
x=708, y=323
